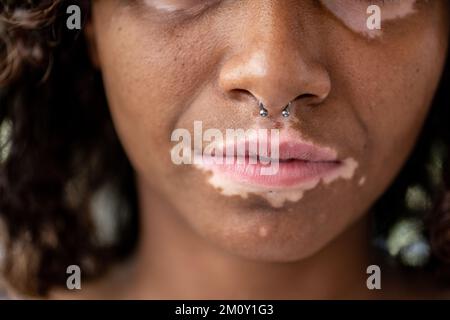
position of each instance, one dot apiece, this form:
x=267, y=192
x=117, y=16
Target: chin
x=267, y=237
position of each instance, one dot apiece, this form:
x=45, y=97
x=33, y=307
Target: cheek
x=149, y=76
x=391, y=84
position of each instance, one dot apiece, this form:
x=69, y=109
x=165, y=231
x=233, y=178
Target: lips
x=288, y=164
x=294, y=150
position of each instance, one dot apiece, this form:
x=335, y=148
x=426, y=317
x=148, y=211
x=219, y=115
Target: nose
x=270, y=62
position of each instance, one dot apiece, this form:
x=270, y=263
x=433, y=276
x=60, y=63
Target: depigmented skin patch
x=362, y=181
x=263, y=232
x=354, y=14
x=278, y=197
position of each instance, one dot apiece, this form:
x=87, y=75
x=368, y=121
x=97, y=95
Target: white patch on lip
x=277, y=197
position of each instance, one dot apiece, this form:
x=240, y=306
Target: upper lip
x=288, y=149
x=295, y=150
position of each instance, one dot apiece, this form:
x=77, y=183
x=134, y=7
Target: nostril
x=305, y=96
x=240, y=95
x=309, y=99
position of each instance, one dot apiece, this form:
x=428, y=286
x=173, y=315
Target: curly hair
x=61, y=150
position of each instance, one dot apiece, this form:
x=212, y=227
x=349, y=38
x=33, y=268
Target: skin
x=366, y=97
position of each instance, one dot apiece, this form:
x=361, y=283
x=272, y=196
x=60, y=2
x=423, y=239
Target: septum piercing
x=263, y=112
x=286, y=111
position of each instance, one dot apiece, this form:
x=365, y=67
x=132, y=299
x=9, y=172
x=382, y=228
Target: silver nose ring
x=287, y=110
x=263, y=112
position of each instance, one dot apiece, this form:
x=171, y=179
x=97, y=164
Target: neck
x=173, y=262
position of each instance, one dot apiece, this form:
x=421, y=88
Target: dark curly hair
x=61, y=149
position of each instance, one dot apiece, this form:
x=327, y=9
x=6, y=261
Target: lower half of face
x=358, y=103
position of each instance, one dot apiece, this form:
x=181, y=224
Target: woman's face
x=361, y=95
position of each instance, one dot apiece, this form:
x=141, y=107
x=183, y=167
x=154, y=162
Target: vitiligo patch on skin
x=164, y=5
x=355, y=16
x=277, y=196
x=362, y=181
x=263, y=232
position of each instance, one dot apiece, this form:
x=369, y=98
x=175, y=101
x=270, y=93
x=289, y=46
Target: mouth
x=288, y=164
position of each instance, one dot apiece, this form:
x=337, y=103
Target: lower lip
x=292, y=173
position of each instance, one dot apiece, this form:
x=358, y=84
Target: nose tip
x=275, y=80
x=272, y=61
